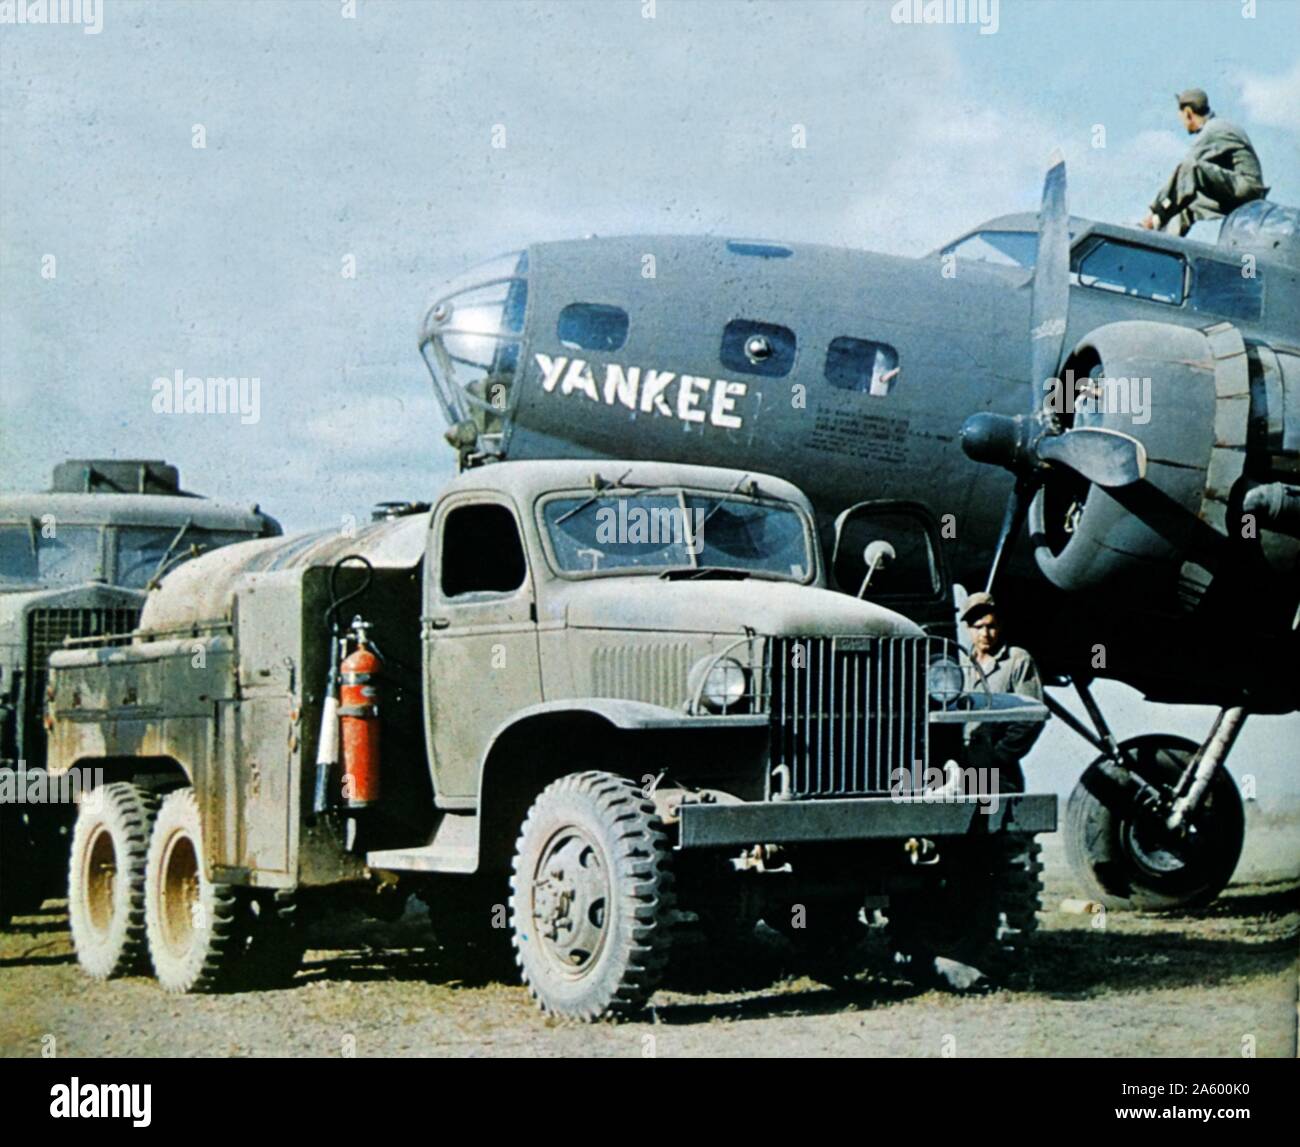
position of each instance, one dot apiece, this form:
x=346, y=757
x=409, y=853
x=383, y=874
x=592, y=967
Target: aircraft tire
x=1125, y=863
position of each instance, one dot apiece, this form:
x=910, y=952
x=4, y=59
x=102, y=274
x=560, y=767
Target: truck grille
x=847, y=712
x=47, y=629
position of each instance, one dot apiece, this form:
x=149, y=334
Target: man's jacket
x=1220, y=144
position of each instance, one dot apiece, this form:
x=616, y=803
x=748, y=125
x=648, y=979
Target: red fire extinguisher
x=359, y=719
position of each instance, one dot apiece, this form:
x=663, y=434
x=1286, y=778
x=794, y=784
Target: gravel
x=1221, y=982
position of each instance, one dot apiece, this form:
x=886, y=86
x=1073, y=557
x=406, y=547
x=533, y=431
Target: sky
x=336, y=130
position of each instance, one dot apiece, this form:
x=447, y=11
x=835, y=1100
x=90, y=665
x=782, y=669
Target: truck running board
x=454, y=848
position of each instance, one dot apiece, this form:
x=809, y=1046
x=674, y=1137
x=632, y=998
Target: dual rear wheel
x=139, y=899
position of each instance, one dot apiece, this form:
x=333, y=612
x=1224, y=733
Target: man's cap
x=1196, y=99
x=977, y=605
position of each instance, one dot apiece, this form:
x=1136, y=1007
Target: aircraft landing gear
x=1156, y=822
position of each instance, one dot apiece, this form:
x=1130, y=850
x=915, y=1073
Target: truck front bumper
x=861, y=818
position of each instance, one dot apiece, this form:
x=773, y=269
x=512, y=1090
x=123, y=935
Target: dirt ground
x=1217, y=983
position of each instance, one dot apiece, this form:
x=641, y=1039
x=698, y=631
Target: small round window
x=757, y=348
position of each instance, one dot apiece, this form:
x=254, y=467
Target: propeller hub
x=997, y=439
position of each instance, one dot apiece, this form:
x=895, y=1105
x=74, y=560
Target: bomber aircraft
x=1134, y=397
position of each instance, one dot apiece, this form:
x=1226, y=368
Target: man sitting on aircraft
x=1006, y=669
x=1219, y=173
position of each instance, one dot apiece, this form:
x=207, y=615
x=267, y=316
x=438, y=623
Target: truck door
x=480, y=637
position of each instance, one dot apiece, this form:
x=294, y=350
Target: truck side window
x=481, y=551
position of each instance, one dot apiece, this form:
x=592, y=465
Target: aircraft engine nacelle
x=1212, y=412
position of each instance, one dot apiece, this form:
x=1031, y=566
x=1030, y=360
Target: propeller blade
x=1019, y=443
x=1051, y=283
x=1107, y=458
x=1012, y=520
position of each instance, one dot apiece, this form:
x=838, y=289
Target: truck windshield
x=34, y=554
x=669, y=530
x=141, y=549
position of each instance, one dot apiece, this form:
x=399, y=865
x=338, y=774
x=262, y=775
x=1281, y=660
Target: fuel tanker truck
x=578, y=708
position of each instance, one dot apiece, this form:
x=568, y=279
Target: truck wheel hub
x=570, y=892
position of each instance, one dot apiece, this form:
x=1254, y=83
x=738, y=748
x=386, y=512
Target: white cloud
x=1273, y=100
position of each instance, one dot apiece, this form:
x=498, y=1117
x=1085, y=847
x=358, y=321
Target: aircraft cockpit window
x=1222, y=289
x=1001, y=248
x=861, y=365
x=1127, y=269
x=752, y=347
x=592, y=326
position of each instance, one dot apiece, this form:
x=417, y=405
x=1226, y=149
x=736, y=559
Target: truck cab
x=596, y=677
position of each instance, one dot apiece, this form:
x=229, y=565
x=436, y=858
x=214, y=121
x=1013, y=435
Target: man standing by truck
x=1004, y=669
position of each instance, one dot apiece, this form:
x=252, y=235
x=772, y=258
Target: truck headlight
x=945, y=680
x=721, y=683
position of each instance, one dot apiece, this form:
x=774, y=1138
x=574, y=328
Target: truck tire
x=1125, y=863
x=985, y=914
x=276, y=941
x=1017, y=898
x=826, y=934
x=106, y=866
x=591, y=899
x=198, y=930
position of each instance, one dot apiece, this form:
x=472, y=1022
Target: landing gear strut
x=1155, y=822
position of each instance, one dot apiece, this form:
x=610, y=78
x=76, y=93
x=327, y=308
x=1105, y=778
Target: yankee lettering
x=687, y=397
